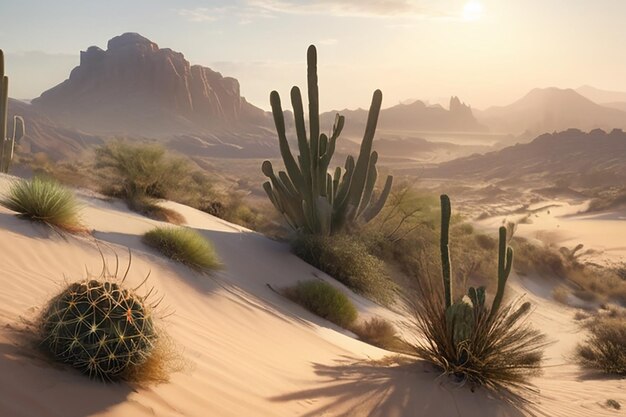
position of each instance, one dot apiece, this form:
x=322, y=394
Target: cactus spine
x=309, y=197
x=460, y=315
x=8, y=143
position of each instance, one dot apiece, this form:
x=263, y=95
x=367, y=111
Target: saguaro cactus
x=8, y=143
x=310, y=198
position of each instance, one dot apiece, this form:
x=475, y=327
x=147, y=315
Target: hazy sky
x=488, y=52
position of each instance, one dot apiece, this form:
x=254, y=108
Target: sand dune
x=249, y=351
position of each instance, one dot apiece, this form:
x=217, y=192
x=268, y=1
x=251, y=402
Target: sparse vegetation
x=381, y=333
x=45, y=201
x=324, y=300
x=183, y=245
x=348, y=260
x=100, y=328
x=477, y=344
x=604, y=349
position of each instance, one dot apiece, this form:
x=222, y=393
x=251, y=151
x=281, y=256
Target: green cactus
x=8, y=143
x=99, y=328
x=505, y=262
x=460, y=320
x=460, y=315
x=309, y=197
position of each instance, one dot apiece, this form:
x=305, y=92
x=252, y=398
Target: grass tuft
x=348, y=260
x=45, y=201
x=185, y=246
x=324, y=300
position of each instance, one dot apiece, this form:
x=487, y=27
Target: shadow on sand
x=375, y=389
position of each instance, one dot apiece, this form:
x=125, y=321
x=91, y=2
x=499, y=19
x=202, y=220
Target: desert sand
x=248, y=350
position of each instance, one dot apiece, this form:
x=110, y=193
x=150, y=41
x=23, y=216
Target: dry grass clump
x=381, y=333
x=324, y=300
x=185, y=246
x=561, y=294
x=605, y=347
x=45, y=201
x=149, y=207
x=479, y=344
x=347, y=259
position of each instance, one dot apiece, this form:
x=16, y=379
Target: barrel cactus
x=99, y=328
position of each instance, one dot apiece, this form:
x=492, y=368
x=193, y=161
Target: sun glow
x=473, y=10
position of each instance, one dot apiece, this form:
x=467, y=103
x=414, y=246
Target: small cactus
x=8, y=143
x=99, y=328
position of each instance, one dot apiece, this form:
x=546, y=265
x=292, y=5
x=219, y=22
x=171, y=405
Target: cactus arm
x=373, y=210
x=285, y=151
x=445, y=250
x=505, y=262
x=314, y=113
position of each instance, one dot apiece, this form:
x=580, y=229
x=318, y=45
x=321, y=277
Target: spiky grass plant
x=100, y=327
x=184, y=245
x=493, y=347
x=45, y=201
x=324, y=300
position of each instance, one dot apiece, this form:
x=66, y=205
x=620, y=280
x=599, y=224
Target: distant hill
x=572, y=157
x=45, y=135
x=601, y=96
x=135, y=87
x=551, y=109
x=415, y=116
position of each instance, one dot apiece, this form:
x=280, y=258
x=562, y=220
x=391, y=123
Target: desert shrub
x=381, y=333
x=324, y=300
x=561, y=294
x=490, y=346
x=44, y=201
x=348, y=260
x=604, y=349
x=99, y=328
x=142, y=169
x=150, y=208
x=183, y=245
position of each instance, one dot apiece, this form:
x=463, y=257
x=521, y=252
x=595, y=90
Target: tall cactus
x=309, y=197
x=8, y=143
x=460, y=314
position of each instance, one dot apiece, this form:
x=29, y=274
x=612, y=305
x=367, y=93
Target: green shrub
x=348, y=260
x=44, y=201
x=99, y=328
x=605, y=348
x=185, y=246
x=324, y=300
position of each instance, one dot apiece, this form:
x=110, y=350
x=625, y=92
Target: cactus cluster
x=8, y=143
x=100, y=328
x=461, y=314
x=310, y=198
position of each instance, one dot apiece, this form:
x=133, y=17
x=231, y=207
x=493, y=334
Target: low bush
x=324, y=300
x=185, y=246
x=348, y=260
x=381, y=333
x=44, y=201
x=605, y=347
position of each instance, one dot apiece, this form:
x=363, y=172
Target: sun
x=473, y=10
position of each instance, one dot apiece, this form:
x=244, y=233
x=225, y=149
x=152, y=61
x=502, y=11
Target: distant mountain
x=45, y=135
x=572, y=157
x=551, y=109
x=135, y=87
x=601, y=96
x=415, y=116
